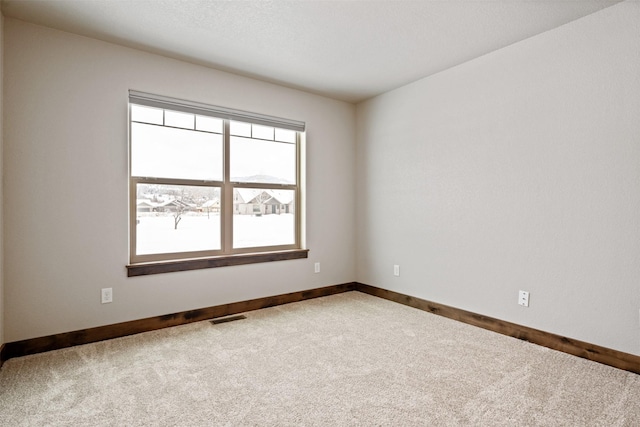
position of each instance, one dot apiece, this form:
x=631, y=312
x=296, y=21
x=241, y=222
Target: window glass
x=240, y=128
x=254, y=160
x=285, y=135
x=262, y=132
x=177, y=218
x=209, y=124
x=163, y=152
x=147, y=115
x=263, y=217
x=179, y=120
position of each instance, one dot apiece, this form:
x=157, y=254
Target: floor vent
x=228, y=319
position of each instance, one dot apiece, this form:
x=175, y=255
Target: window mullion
x=227, y=194
x=298, y=195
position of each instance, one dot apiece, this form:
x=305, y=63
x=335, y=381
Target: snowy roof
x=176, y=202
x=283, y=196
x=142, y=202
x=248, y=195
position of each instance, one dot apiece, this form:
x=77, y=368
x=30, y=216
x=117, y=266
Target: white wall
x=66, y=184
x=517, y=170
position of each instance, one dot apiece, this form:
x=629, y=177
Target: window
x=210, y=183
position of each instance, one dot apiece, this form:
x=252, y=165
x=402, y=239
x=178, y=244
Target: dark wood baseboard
x=607, y=356
x=101, y=333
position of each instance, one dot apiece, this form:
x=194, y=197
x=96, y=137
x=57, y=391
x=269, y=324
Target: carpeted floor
x=348, y=359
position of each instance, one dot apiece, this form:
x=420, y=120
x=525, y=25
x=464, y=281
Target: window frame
x=227, y=254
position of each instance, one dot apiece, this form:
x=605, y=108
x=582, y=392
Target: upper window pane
x=147, y=114
x=162, y=152
x=255, y=160
x=240, y=129
x=262, y=132
x=179, y=120
x=285, y=135
x=209, y=124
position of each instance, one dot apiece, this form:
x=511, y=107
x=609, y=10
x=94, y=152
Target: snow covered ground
x=197, y=232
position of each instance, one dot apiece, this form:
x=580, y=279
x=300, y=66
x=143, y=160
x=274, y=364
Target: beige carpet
x=348, y=359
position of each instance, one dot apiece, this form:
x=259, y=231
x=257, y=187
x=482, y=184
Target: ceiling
x=348, y=50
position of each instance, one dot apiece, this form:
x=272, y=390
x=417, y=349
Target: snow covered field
x=197, y=232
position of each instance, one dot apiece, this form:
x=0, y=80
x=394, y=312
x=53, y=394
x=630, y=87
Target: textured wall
x=517, y=170
x=66, y=184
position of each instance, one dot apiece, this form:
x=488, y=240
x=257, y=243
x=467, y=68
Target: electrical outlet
x=316, y=267
x=523, y=298
x=396, y=270
x=107, y=295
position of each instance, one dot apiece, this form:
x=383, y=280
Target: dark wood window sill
x=159, y=267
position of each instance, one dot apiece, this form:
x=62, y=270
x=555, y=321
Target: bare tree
x=177, y=217
x=177, y=214
x=181, y=207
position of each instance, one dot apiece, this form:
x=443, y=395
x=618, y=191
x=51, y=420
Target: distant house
x=253, y=201
x=281, y=202
x=210, y=206
x=248, y=201
x=145, y=205
x=175, y=205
